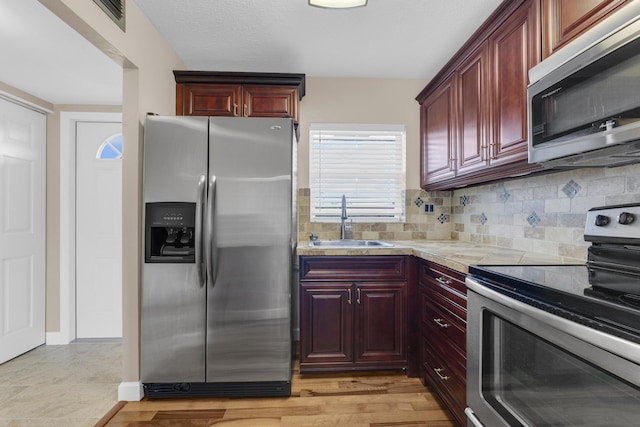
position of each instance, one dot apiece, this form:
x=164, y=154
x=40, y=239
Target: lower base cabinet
x=443, y=314
x=353, y=313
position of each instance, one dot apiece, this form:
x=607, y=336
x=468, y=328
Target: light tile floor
x=54, y=386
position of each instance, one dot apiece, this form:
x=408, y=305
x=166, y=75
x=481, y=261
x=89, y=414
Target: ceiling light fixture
x=338, y=4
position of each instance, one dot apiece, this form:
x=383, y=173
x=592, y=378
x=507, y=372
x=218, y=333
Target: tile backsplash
x=544, y=213
x=428, y=217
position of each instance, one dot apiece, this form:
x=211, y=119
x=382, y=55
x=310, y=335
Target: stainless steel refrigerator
x=220, y=236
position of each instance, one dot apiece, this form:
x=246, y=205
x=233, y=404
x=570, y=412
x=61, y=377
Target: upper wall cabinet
x=437, y=120
x=474, y=111
x=514, y=48
x=564, y=20
x=473, y=114
x=203, y=93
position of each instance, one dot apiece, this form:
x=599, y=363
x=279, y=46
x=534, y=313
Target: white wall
x=148, y=86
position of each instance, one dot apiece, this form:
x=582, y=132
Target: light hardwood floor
x=387, y=399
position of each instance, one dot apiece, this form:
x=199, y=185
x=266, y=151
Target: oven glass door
x=528, y=367
x=531, y=381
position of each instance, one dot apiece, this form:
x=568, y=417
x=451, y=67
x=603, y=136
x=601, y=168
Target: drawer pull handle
x=358, y=294
x=441, y=323
x=349, y=296
x=443, y=281
x=442, y=377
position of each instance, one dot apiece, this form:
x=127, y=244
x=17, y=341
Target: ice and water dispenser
x=170, y=232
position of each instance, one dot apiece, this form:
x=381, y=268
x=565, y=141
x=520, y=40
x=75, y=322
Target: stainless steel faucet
x=343, y=220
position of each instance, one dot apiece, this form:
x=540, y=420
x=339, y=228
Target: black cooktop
x=569, y=288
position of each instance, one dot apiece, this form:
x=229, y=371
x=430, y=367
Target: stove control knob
x=602, y=220
x=626, y=218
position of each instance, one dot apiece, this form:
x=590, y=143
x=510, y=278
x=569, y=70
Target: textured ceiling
x=387, y=39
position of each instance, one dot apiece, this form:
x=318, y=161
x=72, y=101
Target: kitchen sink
x=350, y=243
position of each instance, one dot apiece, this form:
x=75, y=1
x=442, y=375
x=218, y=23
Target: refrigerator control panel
x=170, y=232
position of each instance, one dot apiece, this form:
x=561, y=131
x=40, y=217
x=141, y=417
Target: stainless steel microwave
x=584, y=100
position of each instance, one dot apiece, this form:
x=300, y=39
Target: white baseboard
x=130, y=391
x=56, y=338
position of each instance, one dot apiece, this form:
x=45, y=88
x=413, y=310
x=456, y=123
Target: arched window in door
x=111, y=148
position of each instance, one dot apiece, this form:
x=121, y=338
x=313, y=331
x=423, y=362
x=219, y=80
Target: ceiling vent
x=114, y=9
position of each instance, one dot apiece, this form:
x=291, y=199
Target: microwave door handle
x=200, y=205
x=209, y=235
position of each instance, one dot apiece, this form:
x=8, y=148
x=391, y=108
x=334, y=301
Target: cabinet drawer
x=443, y=323
x=353, y=268
x=451, y=387
x=445, y=277
x=442, y=293
x=453, y=303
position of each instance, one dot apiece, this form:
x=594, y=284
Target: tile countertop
x=449, y=253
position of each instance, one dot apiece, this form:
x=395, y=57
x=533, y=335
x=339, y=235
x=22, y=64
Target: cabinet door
x=514, y=48
x=207, y=100
x=438, y=135
x=381, y=322
x=472, y=112
x=326, y=323
x=270, y=101
x=564, y=20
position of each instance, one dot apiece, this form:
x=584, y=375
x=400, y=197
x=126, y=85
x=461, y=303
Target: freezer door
x=248, y=296
x=173, y=316
x=175, y=157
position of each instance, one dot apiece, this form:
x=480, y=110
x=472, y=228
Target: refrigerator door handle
x=209, y=238
x=200, y=205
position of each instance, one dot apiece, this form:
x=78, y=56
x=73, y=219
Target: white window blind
x=366, y=163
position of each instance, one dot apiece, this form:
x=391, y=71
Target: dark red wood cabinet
x=564, y=20
x=438, y=128
x=514, y=47
x=200, y=93
x=443, y=325
x=473, y=113
x=353, y=313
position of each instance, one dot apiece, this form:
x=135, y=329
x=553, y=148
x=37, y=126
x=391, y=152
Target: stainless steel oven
x=559, y=345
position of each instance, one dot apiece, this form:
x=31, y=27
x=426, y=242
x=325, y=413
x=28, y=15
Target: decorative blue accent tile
x=504, y=195
x=464, y=200
x=483, y=218
x=418, y=202
x=571, y=189
x=443, y=218
x=533, y=219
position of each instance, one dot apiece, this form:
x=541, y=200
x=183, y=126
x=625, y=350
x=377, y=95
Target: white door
x=22, y=229
x=98, y=230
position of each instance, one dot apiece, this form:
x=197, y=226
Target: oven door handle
x=471, y=416
x=618, y=346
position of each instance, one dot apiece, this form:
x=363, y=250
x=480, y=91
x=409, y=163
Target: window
x=111, y=148
x=366, y=163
